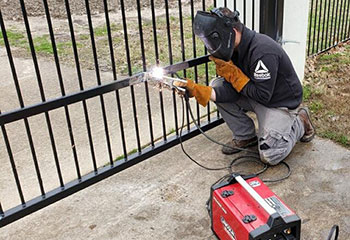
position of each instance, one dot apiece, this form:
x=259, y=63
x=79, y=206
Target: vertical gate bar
x=98, y=78
x=343, y=22
x=315, y=25
x=60, y=79
x=12, y=64
x=110, y=43
x=42, y=94
x=347, y=21
x=144, y=66
x=331, y=28
x=120, y=114
x=127, y=49
x=253, y=14
x=81, y=85
x=20, y=98
x=328, y=15
x=335, y=22
x=194, y=56
x=234, y=5
x=183, y=54
x=341, y=19
x=310, y=24
x=12, y=161
x=35, y=160
x=170, y=50
x=114, y=71
x=217, y=111
x=323, y=25
x=346, y=9
x=244, y=11
x=225, y=3
x=319, y=25
x=155, y=39
x=1, y=211
x=182, y=35
x=206, y=70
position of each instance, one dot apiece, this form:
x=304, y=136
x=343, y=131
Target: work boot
x=309, y=128
x=232, y=146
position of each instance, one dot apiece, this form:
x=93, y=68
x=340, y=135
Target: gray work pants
x=278, y=128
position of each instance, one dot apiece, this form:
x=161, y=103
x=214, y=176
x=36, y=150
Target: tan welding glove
x=200, y=92
x=231, y=73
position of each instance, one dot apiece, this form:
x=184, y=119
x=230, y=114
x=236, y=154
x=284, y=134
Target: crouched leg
x=274, y=147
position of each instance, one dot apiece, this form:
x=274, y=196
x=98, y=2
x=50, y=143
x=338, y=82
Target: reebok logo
x=261, y=72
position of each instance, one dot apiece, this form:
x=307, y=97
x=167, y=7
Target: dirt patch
x=327, y=93
x=12, y=9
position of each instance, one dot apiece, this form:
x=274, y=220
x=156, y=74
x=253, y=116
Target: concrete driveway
x=164, y=197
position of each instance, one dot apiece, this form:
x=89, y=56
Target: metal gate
x=329, y=25
x=71, y=115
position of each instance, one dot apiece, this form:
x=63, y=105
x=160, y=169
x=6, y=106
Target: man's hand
x=231, y=73
x=200, y=92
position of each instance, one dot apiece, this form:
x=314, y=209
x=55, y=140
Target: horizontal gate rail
x=89, y=93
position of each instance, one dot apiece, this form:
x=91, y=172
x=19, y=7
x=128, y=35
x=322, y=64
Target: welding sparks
x=157, y=72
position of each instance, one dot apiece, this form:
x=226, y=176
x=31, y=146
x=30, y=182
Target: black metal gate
x=329, y=25
x=66, y=136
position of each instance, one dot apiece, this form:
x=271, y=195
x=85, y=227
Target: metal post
x=271, y=18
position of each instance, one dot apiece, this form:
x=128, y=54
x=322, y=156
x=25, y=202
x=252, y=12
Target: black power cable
x=235, y=161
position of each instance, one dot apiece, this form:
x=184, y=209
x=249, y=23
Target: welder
x=255, y=74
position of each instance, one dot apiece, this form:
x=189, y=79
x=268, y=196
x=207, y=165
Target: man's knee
x=274, y=147
x=217, y=82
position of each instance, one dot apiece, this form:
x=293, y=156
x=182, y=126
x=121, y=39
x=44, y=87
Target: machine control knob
x=249, y=218
x=227, y=193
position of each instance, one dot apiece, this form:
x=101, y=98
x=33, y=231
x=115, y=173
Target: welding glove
x=231, y=73
x=200, y=92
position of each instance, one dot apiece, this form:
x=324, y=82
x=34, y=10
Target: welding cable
x=289, y=172
x=248, y=158
x=207, y=136
x=235, y=161
x=183, y=149
x=334, y=229
x=263, y=169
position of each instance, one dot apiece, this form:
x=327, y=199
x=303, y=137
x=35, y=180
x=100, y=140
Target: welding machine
x=244, y=208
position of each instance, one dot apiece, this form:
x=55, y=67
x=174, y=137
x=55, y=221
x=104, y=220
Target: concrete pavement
x=164, y=197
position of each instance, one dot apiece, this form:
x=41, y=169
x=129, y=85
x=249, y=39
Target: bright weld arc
x=158, y=72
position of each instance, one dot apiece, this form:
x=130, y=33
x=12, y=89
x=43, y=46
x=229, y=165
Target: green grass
x=315, y=106
x=171, y=131
x=121, y=157
x=327, y=58
x=43, y=44
x=307, y=92
x=15, y=38
x=339, y=138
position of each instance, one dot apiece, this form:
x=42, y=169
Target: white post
x=295, y=24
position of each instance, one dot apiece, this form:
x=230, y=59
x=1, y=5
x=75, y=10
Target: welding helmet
x=216, y=31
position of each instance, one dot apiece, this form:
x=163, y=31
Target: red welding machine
x=244, y=208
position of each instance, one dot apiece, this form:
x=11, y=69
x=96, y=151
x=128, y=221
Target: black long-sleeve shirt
x=273, y=80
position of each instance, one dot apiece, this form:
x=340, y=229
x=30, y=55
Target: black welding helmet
x=216, y=31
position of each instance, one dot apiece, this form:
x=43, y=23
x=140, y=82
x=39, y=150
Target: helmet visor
x=212, y=42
